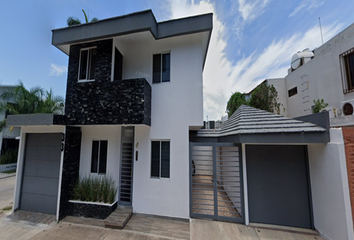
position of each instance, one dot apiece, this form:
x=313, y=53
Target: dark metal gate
x=216, y=186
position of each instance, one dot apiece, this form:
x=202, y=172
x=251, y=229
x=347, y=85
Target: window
x=347, y=65
x=161, y=68
x=292, y=92
x=160, y=159
x=87, y=64
x=99, y=157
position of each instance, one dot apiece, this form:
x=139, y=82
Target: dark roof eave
x=271, y=138
x=21, y=120
x=135, y=22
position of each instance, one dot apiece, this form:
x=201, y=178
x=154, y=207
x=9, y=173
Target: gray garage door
x=41, y=173
x=278, y=189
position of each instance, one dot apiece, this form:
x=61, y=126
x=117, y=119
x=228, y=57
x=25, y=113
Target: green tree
x=24, y=101
x=319, y=105
x=235, y=101
x=71, y=21
x=265, y=97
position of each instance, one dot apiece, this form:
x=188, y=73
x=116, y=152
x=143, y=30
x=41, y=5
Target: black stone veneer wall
x=103, y=101
x=71, y=166
x=91, y=210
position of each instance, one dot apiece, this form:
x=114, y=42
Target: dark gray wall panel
x=40, y=185
x=34, y=151
x=39, y=203
x=278, y=185
x=41, y=168
x=41, y=172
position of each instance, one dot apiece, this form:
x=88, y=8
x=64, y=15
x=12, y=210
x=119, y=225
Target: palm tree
x=23, y=101
x=71, y=21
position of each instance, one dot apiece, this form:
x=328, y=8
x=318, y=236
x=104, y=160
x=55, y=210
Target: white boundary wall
x=330, y=190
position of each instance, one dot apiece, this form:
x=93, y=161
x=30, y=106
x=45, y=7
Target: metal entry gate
x=216, y=188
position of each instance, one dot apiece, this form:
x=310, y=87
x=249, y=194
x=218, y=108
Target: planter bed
x=91, y=209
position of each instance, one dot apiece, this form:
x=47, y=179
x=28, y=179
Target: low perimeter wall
x=330, y=190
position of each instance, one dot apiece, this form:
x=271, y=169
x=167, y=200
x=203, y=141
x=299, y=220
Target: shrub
x=95, y=189
x=10, y=156
x=319, y=105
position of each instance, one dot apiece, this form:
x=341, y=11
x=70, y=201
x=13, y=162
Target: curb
x=7, y=175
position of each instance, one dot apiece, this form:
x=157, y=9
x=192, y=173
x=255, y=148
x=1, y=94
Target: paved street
x=7, y=186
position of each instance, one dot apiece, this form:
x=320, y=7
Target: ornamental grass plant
x=95, y=189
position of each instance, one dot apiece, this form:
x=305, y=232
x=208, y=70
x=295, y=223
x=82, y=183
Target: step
x=119, y=218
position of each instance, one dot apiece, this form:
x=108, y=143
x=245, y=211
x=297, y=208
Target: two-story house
x=134, y=90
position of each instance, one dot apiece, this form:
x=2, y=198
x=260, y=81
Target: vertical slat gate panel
x=216, y=182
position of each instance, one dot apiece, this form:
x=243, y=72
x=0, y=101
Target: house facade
x=130, y=79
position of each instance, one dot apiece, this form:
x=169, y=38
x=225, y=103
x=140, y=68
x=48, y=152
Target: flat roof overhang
x=268, y=138
x=35, y=120
x=132, y=23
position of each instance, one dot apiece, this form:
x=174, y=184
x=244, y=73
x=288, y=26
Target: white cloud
x=222, y=78
x=306, y=5
x=56, y=70
x=249, y=9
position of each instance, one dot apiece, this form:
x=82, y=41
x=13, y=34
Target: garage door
x=278, y=189
x=41, y=173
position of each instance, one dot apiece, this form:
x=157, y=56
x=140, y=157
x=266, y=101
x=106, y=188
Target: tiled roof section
x=249, y=120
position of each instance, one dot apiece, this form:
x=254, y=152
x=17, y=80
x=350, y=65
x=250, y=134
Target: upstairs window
x=161, y=67
x=87, y=64
x=99, y=157
x=160, y=159
x=292, y=92
x=347, y=64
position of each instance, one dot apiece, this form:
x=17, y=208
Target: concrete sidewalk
x=7, y=186
x=199, y=230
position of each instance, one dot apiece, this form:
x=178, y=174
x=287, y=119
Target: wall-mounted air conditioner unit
x=330, y=110
x=347, y=107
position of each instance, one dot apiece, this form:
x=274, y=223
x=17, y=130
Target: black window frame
x=158, y=68
x=292, y=92
x=162, y=163
x=347, y=70
x=90, y=65
x=99, y=159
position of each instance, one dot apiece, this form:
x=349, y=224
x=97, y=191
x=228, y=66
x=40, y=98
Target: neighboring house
x=8, y=135
x=130, y=79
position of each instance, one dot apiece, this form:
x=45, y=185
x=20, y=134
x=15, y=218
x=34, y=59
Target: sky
x=252, y=40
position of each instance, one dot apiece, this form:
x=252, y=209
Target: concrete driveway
x=205, y=230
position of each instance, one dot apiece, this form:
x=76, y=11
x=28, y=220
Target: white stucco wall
x=280, y=85
x=110, y=133
x=330, y=191
x=180, y=101
x=323, y=74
